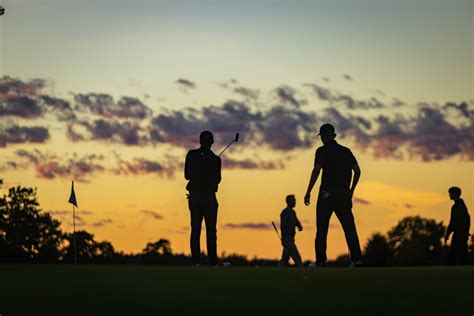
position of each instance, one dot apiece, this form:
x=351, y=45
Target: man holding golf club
x=202, y=169
x=335, y=194
x=288, y=224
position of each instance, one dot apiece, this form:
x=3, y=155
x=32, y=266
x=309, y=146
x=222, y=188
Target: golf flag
x=72, y=197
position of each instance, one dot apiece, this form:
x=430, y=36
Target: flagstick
x=74, y=230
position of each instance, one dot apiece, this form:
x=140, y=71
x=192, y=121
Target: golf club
x=276, y=230
x=235, y=140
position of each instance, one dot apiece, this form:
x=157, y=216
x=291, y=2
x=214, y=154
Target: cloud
x=20, y=106
x=101, y=222
x=15, y=134
x=248, y=225
x=141, y=166
x=185, y=84
x=286, y=95
x=248, y=163
x=152, y=214
x=182, y=128
x=347, y=77
x=336, y=98
x=247, y=92
x=285, y=129
x=113, y=131
x=51, y=166
x=360, y=201
x=104, y=105
x=62, y=108
x=428, y=134
x=14, y=87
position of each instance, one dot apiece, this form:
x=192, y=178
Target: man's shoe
x=224, y=264
x=316, y=265
x=197, y=265
x=355, y=264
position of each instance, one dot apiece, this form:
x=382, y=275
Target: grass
x=152, y=290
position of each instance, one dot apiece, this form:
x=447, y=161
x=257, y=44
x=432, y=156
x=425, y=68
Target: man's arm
x=356, y=178
x=219, y=166
x=312, y=181
x=187, y=167
x=449, y=230
x=298, y=223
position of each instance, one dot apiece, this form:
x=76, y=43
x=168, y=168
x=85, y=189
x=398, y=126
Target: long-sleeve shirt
x=203, y=170
x=288, y=222
x=460, y=220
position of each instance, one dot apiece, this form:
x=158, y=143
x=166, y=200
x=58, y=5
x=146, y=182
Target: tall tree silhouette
x=377, y=252
x=157, y=252
x=416, y=241
x=88, y=250
x=26, y=234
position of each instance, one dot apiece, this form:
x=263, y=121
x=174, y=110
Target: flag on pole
x=72, y=197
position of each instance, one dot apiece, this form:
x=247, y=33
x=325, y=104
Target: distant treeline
x=28, y=234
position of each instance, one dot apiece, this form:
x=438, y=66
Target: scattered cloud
x=141, y=166
x=121, y=132
x=230, y=163
x=52, y=166
x=104, y=105
x=248, y=225
x=101, y=222
x=15, y=134
x=152, y=214
x=185, y=85
x=347, y=77
x=360, y=201
x=286, y=95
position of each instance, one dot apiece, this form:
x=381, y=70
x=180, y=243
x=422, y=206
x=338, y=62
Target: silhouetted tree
x=158, y=252
x=26, y=234
x=377, y=252
x=470, y=251
x=88, y=250
x=416, y=241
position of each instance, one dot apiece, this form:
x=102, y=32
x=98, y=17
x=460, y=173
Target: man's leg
x=210, y=217
x=346, y=218
x=323, y=215
x=196, y=221
x=285, y=257
x=294, y=253
x=459, y=246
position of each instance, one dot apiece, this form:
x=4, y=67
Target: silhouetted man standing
x=203, y=170
x=459, y=226
x=335, y=194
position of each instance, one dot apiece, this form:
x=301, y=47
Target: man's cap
x=326, y=129
x=206, y=136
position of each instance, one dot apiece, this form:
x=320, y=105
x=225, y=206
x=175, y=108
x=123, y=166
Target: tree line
x=30, y=235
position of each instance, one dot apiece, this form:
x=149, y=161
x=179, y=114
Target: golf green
x=153, y=290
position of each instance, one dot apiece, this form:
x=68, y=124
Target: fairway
x=152, y=290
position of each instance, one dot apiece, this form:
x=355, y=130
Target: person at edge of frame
x=459, y=224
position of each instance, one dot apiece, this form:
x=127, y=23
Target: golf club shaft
x=226, y=148
x=276, y=229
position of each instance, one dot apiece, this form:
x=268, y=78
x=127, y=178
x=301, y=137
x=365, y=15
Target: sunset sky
x=112, y=94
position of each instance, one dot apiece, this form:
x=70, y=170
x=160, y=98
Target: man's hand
x=307, y=199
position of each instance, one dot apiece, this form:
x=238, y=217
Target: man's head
x=206, y=139
x=454, y=193
x=291, y=200
x=327, y=133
